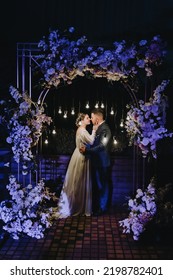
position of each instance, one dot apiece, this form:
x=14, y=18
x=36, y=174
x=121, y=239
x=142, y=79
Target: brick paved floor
x=85, y=238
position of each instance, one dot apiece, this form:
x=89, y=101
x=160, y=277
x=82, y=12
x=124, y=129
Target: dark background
x=101, y=21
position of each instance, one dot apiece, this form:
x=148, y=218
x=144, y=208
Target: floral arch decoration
x=62, y=59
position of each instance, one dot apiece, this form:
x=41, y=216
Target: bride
x=76, y=195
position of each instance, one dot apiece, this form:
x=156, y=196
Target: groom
x=100, y=163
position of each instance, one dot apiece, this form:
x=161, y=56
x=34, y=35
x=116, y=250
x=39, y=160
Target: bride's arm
x=88, y=138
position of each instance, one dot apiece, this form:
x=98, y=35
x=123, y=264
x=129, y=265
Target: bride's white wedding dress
x=76, y=195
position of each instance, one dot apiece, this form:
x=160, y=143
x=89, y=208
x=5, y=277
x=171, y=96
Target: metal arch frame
x=25, y=54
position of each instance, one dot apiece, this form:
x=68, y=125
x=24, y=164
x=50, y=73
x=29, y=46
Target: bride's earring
x=80, y=123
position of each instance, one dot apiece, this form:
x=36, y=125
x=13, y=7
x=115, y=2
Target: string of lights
x=74, y=111
x=64, y=113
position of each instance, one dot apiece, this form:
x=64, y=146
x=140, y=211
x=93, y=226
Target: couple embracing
x=87, y=189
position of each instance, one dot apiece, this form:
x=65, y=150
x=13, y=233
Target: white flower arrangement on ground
x=25, y=126
x=27, y=212
x=146, y=125
x=142, y=210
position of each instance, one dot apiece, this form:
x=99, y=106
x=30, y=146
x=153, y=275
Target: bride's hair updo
x=80, y=118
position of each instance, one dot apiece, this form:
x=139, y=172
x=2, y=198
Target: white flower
x=142, y=210
x=139, y=193
x=26, y=212
x=145, y=141
x=146, y=125
x=25, y=127
x=131, y=203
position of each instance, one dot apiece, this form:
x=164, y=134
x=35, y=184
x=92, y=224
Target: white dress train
x=76, y=195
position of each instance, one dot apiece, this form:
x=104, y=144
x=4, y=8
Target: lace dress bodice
x=83, y=137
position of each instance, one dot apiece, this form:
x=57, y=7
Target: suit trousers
x=101, y=188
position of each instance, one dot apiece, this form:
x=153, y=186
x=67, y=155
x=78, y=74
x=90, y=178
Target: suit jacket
x=100, y=150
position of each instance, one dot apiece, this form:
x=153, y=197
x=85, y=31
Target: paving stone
x=85, y=238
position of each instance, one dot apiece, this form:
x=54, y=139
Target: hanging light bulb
x=72, y=111
x=122, y=118
x=65, y=115
x=115, y=140
x=60, y=110
x=127, y=118
x=122, y=123
x=87, y=105
x=54, y=130
x=97, y=105
x=102, y=105
x=46, y=141
x=112, y=111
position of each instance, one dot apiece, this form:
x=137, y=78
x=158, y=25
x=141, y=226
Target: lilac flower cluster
x=25, y=127
x=146, y=125
x=64, y=58
x=151, y=55
x=26, y=213
x=142, y=210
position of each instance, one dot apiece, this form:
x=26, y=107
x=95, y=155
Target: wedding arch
x=59, y=58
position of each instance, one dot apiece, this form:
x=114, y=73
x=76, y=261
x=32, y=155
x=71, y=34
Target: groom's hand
x=82, y=149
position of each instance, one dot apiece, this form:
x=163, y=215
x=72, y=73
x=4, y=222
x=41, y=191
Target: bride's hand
x=82, y=149
x=95, y=127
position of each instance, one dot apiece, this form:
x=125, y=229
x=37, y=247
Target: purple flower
x=71, y=29
x=142, y=42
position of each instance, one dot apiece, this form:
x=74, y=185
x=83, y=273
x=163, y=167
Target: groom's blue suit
x=100, y=168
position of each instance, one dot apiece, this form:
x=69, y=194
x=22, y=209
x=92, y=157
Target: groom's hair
x=99, y=112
